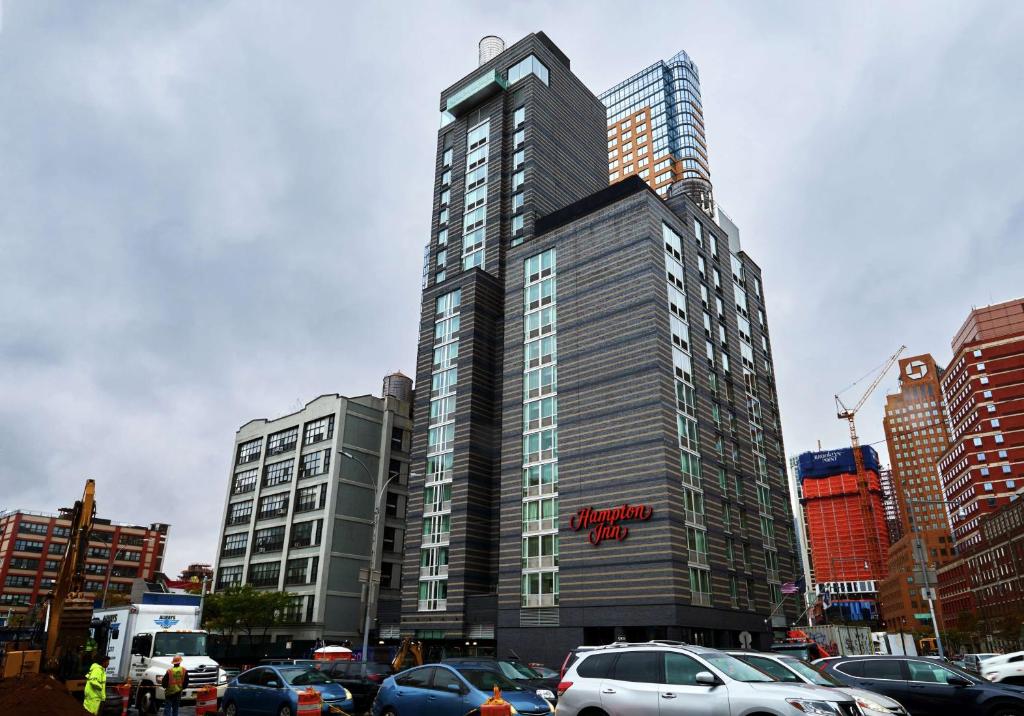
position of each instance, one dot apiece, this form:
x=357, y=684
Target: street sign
x=928, y=593
x=745, y=639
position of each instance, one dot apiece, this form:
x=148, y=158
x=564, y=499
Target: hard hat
x=176, y=659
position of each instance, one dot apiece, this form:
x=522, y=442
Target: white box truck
x=143, y=638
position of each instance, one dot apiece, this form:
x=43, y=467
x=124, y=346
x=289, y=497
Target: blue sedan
x=443, y=690
x=274, y=691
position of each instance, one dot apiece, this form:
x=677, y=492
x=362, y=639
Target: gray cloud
x=211, y=210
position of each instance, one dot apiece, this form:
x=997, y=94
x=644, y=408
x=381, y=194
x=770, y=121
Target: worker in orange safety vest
x=175, y=682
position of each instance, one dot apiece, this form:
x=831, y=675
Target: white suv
x=663, y=679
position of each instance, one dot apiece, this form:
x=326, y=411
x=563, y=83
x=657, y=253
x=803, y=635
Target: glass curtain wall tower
x=656, y=129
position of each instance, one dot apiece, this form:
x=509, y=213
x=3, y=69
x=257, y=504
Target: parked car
x=350, y=675
x=657, y=679
x=793, y=670
x=972, y=662
x=926, y=687
x=274, y=691
x=447, y=690
x=1005, y=668
x=546, y=687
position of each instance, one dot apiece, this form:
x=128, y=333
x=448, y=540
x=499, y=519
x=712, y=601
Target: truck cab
x=151, y=655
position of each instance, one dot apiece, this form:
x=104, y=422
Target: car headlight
x=545, y=694
x=222, y=677
x=815, y=708
x=866, y=703
x=348, y=694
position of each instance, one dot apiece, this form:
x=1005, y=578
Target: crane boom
x=867, y=508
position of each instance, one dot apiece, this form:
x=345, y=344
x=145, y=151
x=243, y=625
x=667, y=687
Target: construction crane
x=867, y=507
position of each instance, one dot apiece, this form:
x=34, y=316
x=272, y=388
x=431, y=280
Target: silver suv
x=664, y=679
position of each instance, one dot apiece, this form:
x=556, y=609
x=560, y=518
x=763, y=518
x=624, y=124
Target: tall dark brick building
x=597, y=450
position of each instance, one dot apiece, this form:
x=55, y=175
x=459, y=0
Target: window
x=277, y=473
x=310, y=498
x=315, y=463
x=517, y=223
x=446, y=177
x=245, y=481
x=317, y=430
x=518, y=158
x=268, y=540
x=880, y=669
x=264, y=574
x=517, y=201
x=34, y=528
x=446, y=158
x=517, y=180
x=249, y=451
x=239, y=512
x=638, y=666
x=519, y=116
x=234, y=545
x=596, y=666
x=306, y=534
x=273, y=506
x=283, y=441
x=930, y=673
x=529, y=66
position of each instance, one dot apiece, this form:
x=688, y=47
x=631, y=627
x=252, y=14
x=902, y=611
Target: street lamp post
x=920, y=556
x=374, y=572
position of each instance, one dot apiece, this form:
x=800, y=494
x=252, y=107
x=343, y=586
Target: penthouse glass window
x=273, y=506
x=245, y=481
x=283, y=441
x=277, y=473
x=249, y=451
x=264, y=574
x=317, y=430
x=529, y=66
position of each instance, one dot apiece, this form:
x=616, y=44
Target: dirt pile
x=37, y=694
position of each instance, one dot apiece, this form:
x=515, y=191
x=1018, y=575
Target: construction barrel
x=206, y=700
x=496, y=705
x=310, y=703
x=125, y=692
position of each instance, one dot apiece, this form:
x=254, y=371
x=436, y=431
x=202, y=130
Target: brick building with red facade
x=983, y=470
x=33, y=544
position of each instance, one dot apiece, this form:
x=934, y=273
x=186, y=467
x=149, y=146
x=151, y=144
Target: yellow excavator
x=69, y=608
x=408, y=648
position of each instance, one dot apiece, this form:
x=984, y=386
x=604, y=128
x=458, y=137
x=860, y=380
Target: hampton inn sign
x=607, y=524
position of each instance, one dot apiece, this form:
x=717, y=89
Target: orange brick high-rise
x=842, y=540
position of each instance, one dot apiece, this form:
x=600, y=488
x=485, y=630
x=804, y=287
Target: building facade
x=600, y=446
x=984, y=393
x=656, y=129
x=844, y=537
x=916, y=433
x=32, y=547
x=299, y=513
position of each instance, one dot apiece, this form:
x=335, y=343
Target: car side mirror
x=273, y=685
x=706, y=678
x=454, y=688
x=958, y=681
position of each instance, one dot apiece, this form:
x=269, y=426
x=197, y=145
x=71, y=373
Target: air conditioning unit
x=282, y=511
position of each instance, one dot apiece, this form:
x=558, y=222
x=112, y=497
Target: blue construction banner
x=827, y=463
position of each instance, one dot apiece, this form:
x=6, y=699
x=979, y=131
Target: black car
x=350, y=675
x=926, y=687
x=520, y=673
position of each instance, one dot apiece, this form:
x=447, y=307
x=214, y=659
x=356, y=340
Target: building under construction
x=844, y=539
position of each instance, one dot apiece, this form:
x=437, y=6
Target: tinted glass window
x=304, y=676
x=852, y=668
x=681, y=669
x=640, y=666
x=810, y=672
x=882, y=669
x=416, y=678
x=269, y=676
x=929, y=673
x=596, y=666
x=443, y=677
x=250, y=677
x=339, y=670
x=486, y=680
x=772, y=668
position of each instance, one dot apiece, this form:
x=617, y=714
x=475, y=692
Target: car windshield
x=184, y=643
x=734, y=668
x=485, y=680
x=810, y=673
x=304, y=676
x=515, y=670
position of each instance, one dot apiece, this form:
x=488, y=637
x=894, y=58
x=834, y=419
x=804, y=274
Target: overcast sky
x=215, y=211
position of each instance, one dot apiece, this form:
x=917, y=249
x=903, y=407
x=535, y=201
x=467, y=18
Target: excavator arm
x=70, y=610
x=408, y=648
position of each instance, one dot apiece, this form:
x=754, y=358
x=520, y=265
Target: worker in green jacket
x=96, y=685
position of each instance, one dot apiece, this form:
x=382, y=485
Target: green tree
x=244, y=610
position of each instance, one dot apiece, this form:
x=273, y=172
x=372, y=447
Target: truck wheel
x=147, y=702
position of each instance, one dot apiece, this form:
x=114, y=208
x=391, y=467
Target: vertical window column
x=474, y=220
x=540, y=434
x=437, y=506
